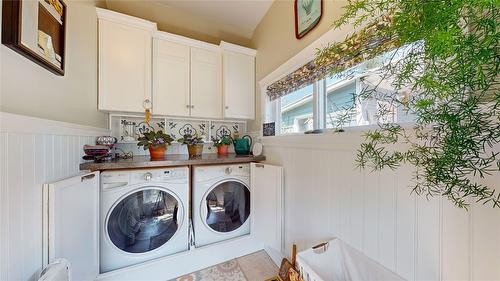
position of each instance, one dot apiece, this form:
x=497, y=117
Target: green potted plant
x=156, y=142
x=222, y=144
x=194, y=144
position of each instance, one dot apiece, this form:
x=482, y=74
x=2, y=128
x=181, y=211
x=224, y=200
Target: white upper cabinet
x=124, y=62
x=141, y=67
x=238, y=64
x=206, y=91
x=170, y=78
x=186, y=77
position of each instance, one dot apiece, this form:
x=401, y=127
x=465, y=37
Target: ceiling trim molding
x=162, y=35
x=120, y=18
x=238, y=49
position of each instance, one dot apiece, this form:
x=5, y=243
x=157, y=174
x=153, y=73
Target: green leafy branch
x=448, y=78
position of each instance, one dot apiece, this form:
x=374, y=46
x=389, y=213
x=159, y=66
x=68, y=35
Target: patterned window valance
x=366, y=44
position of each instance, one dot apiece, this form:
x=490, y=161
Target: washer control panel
x=113, y=179
x=211, y=172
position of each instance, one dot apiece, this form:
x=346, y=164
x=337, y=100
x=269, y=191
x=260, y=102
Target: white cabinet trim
x=125, y=19
x=184, y=40
x=238, y=49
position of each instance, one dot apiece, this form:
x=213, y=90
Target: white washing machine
x=144, y=215
x=221, y=203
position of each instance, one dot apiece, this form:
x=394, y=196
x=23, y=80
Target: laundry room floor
x=254, y=267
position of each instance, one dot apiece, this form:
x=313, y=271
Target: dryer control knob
x=228, y=170
x=148, y=176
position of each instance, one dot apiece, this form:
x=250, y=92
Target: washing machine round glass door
x=144, y=220
x=226, y=206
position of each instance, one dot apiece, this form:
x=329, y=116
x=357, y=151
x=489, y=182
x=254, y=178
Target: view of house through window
x=339, y=103
x=297, y=111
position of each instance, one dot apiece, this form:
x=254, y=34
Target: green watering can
x=242, y=145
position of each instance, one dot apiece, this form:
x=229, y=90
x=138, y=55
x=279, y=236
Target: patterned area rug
x=228, y=271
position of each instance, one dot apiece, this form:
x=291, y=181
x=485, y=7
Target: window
x=297, y=111
x=339, y=105
x=335, y=102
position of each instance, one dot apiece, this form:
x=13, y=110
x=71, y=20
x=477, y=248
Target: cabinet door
x=124, y=67
x=71, y=224
x=239, y=85
x=267, y=208
x=206, y=92
x=171, y=78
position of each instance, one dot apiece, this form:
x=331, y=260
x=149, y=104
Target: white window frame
x=318, y=110
x=271, y=110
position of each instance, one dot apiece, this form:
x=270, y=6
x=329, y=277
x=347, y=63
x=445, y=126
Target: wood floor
x=254, y=267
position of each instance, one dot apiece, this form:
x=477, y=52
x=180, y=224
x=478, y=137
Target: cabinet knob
x=188, y=106
x=192, y=106
x=146, y=104
x=227, y=107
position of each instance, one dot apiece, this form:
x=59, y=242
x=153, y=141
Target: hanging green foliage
x=447, y=77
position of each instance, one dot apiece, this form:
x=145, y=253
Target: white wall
x=32, y=152
x=31, y=90
x=326, y=196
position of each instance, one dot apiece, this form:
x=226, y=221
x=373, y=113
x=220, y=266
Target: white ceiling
x=245, y=15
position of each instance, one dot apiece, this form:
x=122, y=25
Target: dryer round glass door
x=226, y=206
x=144, y=220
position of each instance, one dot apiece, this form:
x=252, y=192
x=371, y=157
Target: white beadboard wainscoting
x=326, y=196
x=33, y=151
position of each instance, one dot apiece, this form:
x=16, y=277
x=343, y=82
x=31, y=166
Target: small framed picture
x=36, y=29
x=307, y=15
x=268, y=129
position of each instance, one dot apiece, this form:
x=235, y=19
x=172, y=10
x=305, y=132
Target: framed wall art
x=36, y=29
x=307, y=16
x=268, y=129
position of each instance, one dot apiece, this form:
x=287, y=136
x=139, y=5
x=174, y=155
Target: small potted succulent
x=222, y=144
x=194, y=143
x=156, y=142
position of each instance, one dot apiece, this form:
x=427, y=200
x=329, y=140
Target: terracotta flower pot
x=157, y=153
x=195, y=150
x=222, y=150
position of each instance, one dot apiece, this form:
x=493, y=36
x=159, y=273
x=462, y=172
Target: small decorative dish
x=95, y=150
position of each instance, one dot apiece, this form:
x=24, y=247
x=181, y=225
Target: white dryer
x=143, y=216
x=221, y=203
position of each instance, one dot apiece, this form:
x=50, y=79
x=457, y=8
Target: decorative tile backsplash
x=127, y=128
x=178, y=128
x=220, y=129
